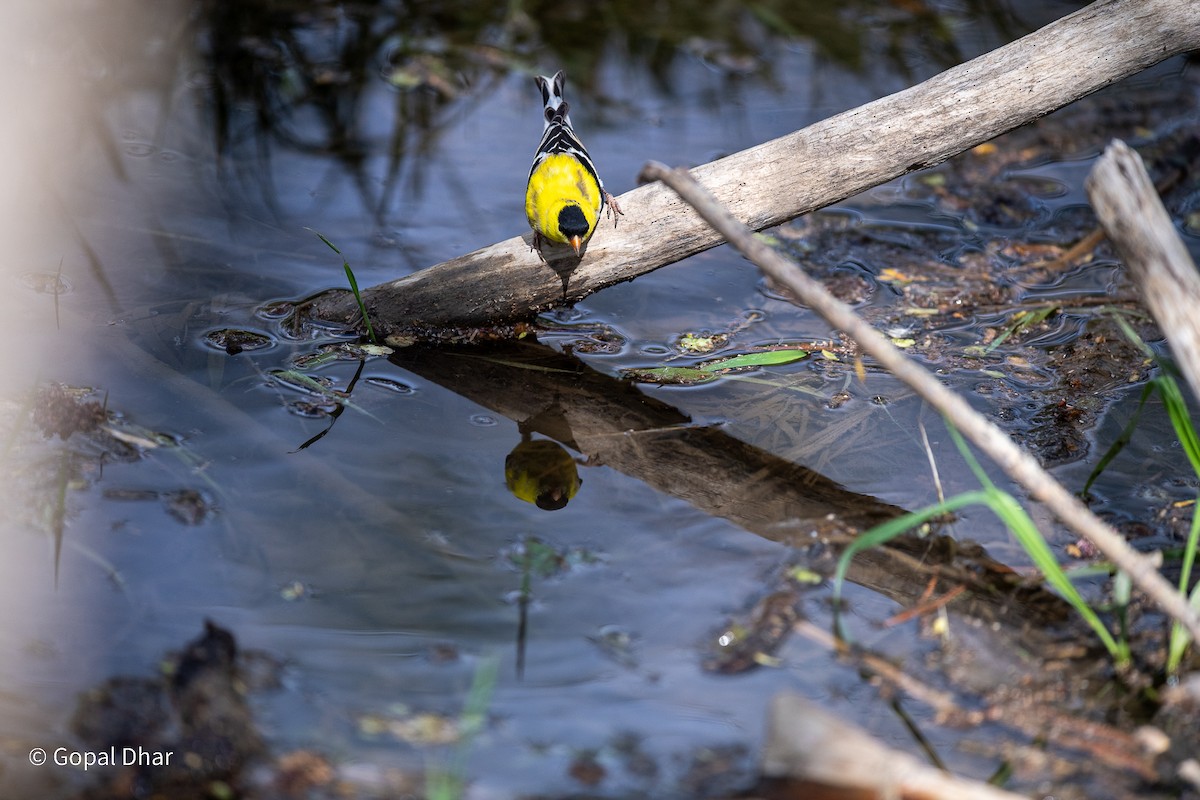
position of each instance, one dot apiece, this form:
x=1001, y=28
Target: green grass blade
x=1181, y=421
x=1130, y=334
x=1005, y=506
x=1179, y=639
x=362, y=307
x=1018, y=522
x=710, y=370
x=886, y=531
x=1015, y=518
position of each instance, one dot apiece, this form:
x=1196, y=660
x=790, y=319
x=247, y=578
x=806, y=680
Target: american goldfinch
x=564, y=196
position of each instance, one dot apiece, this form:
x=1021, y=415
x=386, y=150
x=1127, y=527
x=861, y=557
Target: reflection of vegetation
x=297, y=74
x=538, y=560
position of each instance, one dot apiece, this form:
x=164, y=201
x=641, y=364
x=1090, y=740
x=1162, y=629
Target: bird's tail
x=552, y=98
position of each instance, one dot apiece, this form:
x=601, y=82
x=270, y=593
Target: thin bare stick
x=1017, y=463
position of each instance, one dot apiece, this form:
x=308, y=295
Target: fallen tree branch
x=1017, y=463
x=779, y=180
x=1139, y=227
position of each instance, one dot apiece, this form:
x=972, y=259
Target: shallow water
x=353, y=559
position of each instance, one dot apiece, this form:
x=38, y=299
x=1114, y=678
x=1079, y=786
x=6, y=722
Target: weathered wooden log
x=779, y=180
x=1139, y=227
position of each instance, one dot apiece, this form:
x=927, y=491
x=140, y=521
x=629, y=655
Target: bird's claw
x=613, y=205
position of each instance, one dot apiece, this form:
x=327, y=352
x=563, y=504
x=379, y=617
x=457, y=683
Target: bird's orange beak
x=576, y=243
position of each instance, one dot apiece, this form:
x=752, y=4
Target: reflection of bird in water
x=564, y=196
x=542, y=472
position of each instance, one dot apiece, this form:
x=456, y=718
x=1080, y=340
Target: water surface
x=177, y=202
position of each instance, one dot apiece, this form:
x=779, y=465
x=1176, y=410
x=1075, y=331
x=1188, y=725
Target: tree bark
x=779, y=180
x=1139, y=227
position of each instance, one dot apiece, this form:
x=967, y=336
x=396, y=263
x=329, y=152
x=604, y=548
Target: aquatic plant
x=1016, y=519
x=353, y=287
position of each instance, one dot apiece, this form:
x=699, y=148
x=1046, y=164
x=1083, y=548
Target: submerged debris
x=60, y=410
x=197, y=713
x=234, y=341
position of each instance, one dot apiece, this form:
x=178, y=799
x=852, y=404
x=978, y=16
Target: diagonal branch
x=1019, y=465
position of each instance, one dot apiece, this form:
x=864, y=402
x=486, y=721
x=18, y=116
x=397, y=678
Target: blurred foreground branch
x=806, y=743
x=781, y=179
x=1019, y=465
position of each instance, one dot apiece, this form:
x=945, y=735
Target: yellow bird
x=564, y=196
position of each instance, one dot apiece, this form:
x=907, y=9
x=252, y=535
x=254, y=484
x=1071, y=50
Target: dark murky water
x=357, y=559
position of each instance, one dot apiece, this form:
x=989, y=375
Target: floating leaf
x=711, y=370
x=760, y=358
